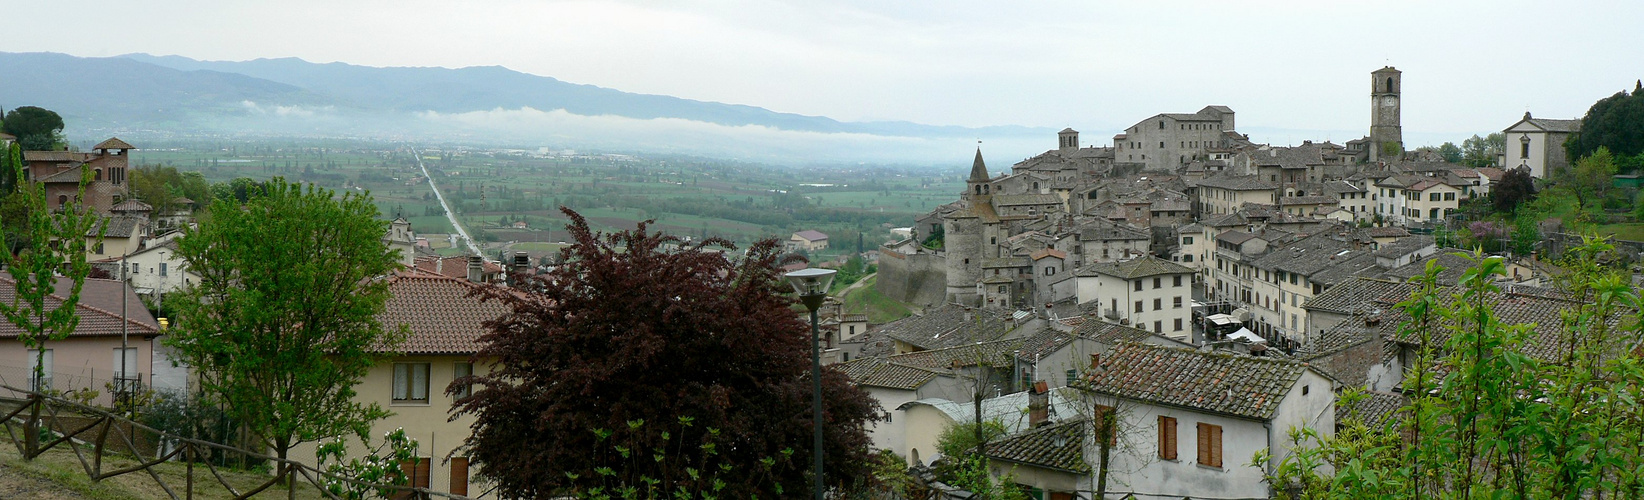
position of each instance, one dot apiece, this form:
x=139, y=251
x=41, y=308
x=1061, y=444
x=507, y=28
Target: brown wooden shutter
x=1204, y=443
x=1167, y=438
x=1215, y=446
x=459, y=475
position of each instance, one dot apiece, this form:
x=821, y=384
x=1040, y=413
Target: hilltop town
x=1148, y=319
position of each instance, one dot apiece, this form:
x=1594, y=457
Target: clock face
x=1387, y=101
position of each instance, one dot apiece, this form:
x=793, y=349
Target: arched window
x=1389, y=84
x=62, y=200
x=97, y=175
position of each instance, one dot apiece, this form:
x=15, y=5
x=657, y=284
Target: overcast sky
x=1292, y=70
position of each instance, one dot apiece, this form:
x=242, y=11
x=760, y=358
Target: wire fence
x=107, y=445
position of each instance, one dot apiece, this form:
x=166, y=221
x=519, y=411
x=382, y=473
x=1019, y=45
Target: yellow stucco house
x=445, y=324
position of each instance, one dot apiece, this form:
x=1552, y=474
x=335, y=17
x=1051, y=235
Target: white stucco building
x=1149, y=293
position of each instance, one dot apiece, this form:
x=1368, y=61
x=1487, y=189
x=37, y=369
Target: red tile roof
x=99, y=308
x=443, y=318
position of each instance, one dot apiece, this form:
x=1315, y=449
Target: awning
x=1246, y=334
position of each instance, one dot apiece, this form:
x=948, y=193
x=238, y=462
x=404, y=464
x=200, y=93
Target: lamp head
x=811, y=281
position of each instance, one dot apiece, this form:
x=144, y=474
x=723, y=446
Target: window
x=1176, y=280
x=44, y=364
x=410, y=382
x=1187, y=240
x=1158, y=304
x=1187, y=258
x=1178, y=324
x=1167, y=438
x=1002, y=289
x=98, y=248
x=1158, y=327
x=461, y=370
x=1524, y=149
x=1210, y=445
x=126, y=373
x=1176, y=303
x=1449, y=197
x=1138, y=306
x=1432, y=197
x=135, y=268
x=1156, y=282
x=1115, y=305
x=1138, y=285
x=162, y=269
x=1073, y=376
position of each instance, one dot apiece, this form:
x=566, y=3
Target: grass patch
x=534, y=246
x=58, y=475
x=1632, y=231
x=879, y=308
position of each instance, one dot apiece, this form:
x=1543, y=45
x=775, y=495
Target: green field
x=491, y=190
x=879, y=308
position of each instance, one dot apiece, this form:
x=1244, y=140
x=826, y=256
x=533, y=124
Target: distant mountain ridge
x=290, y=95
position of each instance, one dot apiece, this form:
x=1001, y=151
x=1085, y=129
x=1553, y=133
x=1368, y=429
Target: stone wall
x=918, y=278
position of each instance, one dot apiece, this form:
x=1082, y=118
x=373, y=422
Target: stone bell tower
x=1385, y=84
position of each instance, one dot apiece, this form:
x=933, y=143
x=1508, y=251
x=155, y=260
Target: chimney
x=522, y=263
x=1038, y=404
x=476, y=268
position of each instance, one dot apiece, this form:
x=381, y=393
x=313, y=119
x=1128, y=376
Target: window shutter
x=459, y=475
x=1215, y=446
x=1204, y=444
x=1167, y=438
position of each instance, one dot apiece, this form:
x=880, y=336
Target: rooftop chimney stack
x=1038, y=404
x=476, y=269
x=522, y=263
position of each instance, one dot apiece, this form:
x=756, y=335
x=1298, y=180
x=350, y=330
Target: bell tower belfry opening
x=1385, y=132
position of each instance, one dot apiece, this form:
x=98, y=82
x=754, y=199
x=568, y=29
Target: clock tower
x=1384, y=111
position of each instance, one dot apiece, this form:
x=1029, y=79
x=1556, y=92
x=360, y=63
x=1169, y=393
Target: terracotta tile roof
x=442, y=317
x=1359, y=295
x=1049, y=252
x=994, y=353
x=811, y=235
x=1454, y=266
x=1229, y=384
x=1387, y=232
x=121, y=226
x=1136, y=268
x=876, y=372
x=1005, y=200
x=1405, y=246
x=1376, y=409
x=132, y=205
x=946, y=326
x=113, y=143
x=99, y=308
x=1058, y=446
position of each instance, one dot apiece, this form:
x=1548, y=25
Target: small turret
x=977, y=185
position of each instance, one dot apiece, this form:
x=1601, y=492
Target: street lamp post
x=812, y=286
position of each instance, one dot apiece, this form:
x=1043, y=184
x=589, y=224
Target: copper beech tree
x=701, y=346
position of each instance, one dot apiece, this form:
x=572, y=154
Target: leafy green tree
x=283, y=322
x=1482, y=151
x=56, y=243
x=11, y=165
x=1450, y=152
x=161, y=186
x=1615, y=122
x=1391, y=150
x=37, y=129
x=1485, y=418
x=1591, y=178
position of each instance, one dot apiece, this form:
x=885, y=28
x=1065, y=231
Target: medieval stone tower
x=962, y=235
x=1384, y=111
